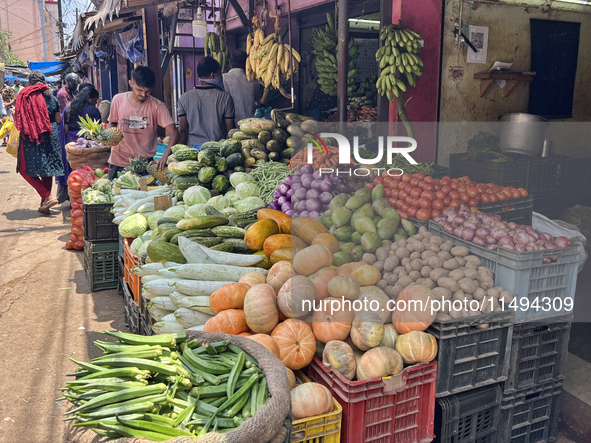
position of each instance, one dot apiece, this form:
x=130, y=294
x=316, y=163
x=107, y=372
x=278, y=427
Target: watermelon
x=230, y=147
x=206, y=174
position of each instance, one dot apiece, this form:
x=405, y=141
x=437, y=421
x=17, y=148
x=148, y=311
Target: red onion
x=486, y=219
x=547, y=236
x=471, y=225
x=491, y=241
x=497, y=217
x=531, y=246
x=449, y=211
x=458, y=220
x=440, y=218
x=540, y=242
x=511, y=232
x=458, y=231
x=513, y=225
x=508, y=246
x=546, y=260
x=492, y=246
x=550, y=246
x=553, y=258
x=562, y=242
x=482, y=232
x=499, y=233
x=479, y=241
x=534, y=234
x=464, y=213
x=479, y=215
x=506, y=240
x=520, y=248
x=449, y=228
x=529, y=228
x=468, y=234
x=521, y=238
x=518, y=228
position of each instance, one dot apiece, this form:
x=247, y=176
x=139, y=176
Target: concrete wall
x=509, y=41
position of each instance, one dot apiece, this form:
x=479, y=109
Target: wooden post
x=143, y=184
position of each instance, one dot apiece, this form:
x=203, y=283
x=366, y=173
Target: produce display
x=358, y=113
x=165, y=386
x=79, y=180
x=216, y=47
x=93, y=131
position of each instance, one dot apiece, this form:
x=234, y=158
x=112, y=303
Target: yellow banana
x=268, y=39
x=248, y=43
x=280, y=48
x=295, y=53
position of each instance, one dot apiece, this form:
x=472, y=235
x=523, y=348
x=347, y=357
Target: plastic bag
x=544, y=224
x=13, y=142
x=78, y=181
x=7, y=126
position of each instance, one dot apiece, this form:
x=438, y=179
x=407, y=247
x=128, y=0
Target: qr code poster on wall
x=478, y=36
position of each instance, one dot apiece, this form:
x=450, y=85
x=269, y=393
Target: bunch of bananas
x=269, y=59
x=216, y=47
x=324, y=44
x=364, y=93
x=398, y=60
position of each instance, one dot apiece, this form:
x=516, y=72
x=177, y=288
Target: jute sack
x=271, y=424
x=94, y=157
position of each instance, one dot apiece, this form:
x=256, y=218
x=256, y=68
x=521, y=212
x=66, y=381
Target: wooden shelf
x=512, y=78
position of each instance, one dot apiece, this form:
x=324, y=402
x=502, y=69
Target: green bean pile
x=269, y=176
x=161, y=387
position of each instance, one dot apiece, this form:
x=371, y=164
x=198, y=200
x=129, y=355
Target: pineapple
x=92, y=130
x=138, y=165
x=158, y=175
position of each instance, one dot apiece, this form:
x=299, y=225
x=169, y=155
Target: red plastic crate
x=134, y=281
x=398, y=409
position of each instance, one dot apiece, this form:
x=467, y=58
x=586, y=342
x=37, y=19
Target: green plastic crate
x=101, y=264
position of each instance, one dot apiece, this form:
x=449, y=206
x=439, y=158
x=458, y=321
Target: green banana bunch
x=216, y=47
x=398, y=60
x=324, y=49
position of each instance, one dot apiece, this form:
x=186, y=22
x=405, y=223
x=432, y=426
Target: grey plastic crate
x=132, y=312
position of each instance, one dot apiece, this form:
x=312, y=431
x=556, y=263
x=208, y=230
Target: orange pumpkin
x=228, y=297
x=307, y=228
x=279, y=274
x=296, y=342
x=253, y=278
x=328, y=240
x=259, y=232
x=267, y=341
x=260, y=308
x=282, y=220
x=230, y=321
x=245, y=334
x=310, y=399
x=311, y=259
x=416, y=347
x=284, y=254
x=282, y=241
x=415, y=317
x=329, y=327
x=338, y=356
x=348, y=268
x=292, y=295
x=366, y=275
x=379, y=362
x=291, y=379
x=321, y=279
x=367, y=330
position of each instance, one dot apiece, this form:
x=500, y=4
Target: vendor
x=137, y=114
x=206, y=113
x=243, y=92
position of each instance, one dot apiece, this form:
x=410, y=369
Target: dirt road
x=47, y=313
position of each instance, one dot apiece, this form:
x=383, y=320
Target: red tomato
x=472, y=192
x=392, y=201
x=416, y=192
x=378, y=180
x=523, y=192
x=394, y=184
x=423, y=214
x=515, y=193
x=436, y=186
x=408, y=200
x=414, y=181
x=464, y=197
x=424, y=203
x=435, y=213
x=399, y=204
x=387, y=180
x=415, y=202
x=480, y=189
x=370, y=186
x=387, y=192
x=461, y=189
x=419, y=175
x=454, y=195
x=446, y=181
x=440, y=195
x=501, y=196
x=403, y=215
x=447, y=200
x=402, y=184
x=454, y=185
x=454, y=204
x=427, y=194
x=472, y=202
x=412, y=211
x=492, y=197
x=402, y=194
x=405, y=207
x=394, y=193
x=429, y=179
x=485, y=198
x=408, y=188
x=406, y=177
x=438, y=204
x=429, y=187
x=446, y=189
x=508, y=192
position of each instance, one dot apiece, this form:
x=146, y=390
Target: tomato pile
x=424, y=197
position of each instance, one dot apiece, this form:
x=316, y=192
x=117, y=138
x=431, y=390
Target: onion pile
x=490, y=231
x=82, y=143
x=282, y=197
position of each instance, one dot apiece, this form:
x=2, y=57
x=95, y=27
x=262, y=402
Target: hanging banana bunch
x=324, y=48
x=216, y=47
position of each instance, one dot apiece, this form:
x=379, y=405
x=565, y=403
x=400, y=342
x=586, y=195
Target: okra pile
x=165, y=386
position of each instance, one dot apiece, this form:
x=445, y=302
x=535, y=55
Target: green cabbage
x=195, y=211
x=219, y=202
x=175, y=212
x=247, y=189
x=133, y=226
x=195, y=195
x=229, y=211
x=241, y=177
x=232, y=195
x=153, y=219
x=135, y=245
x=248, y=204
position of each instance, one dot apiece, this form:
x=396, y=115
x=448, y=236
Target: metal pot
x=522, y=133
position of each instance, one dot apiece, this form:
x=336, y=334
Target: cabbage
x=135, y=245
x=248, y=204
x=241, y=177
x=133, y=226
x=247, y=189
x=232, y=195
x=229, y=211
x=195, y=211
x=219, y=202
x=143, y=248
x=195, y=195
x=175, y=212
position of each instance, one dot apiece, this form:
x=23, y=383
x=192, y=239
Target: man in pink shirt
x=137, y=114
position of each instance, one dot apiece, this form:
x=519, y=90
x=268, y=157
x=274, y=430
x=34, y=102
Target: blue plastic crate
x=160, y=150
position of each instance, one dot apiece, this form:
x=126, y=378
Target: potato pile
x=448, y=270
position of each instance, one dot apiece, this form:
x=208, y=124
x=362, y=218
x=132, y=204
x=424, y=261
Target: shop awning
x=48, y=68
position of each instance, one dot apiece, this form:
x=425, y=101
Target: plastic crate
x=145, y=328
x=551, y=204
x=517, y=210
x=134, y=281
x=101, y=265
x=473, y=357
x=132, y=312
x=530, y=415
x=526, y=277
x=325, y=428
x=160, y=150
x=468, y=417
x=98, y=223
x=439, y=171
x=120, y=275
x=538, y=353
x=515, y=173
x=400, y=408
x=546, y=174
x=121, y=247
x=576, y=177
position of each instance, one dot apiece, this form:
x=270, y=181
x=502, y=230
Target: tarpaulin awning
x=49, y=67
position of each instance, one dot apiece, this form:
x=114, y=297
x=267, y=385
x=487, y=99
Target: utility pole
x=60, y=24
x=43, y=30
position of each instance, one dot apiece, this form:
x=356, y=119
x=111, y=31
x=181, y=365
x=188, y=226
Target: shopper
x=36, y=117
x=66, y=94
x=8, y=98
x=243, y=92
x=83, y=85
x=206, y=113
x=84, y=105
x=137, y=114
x=18, y=87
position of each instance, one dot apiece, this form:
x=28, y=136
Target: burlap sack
x=93, y=157
x=272, y=422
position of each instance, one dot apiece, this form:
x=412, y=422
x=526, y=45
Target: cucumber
x=165, y=227
x=204, y=221
x=192, y=233
x=245, y=223
x=208, y=242
x=229, y=232
x=210, y=210
x=239, y=245
x=163, y=220
x=167, y=236
x=245, y=215
x=160, y=251
x=225, y=247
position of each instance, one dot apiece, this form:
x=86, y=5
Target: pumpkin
x=230, y=321
x=291, y=379
x=296, y=342
x=390, y=336
x=366, y=275
x=321, y=279
x=341, y=286
x=369, y=294
x=307, y=228
x=253, y=278
x=367, y=330
x=260, y=308
x=379, y=362
x=413, y=316
x=284, y=254
x=328, y=240
x=338, y=356
x=348, y=268
x=228, y=297
x=282, y=220
x=327, y=326
x=245, y=334
x=282, y=241
x=310, y=399
x=416, y=347
x=279, y=274
x=292, y=295
x=259, y=232
x=267, y=341
x=319, y=349
x=311, y=259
